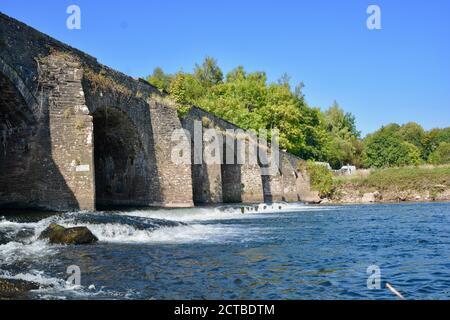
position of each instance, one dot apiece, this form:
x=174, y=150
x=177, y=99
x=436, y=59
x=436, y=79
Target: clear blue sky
x=398, y=74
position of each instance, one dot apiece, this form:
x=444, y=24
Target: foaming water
x=259, y=211
x=279, y=251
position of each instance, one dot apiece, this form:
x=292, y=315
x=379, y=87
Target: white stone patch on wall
x=89, y=137
x=83, y=168
x=84, y=109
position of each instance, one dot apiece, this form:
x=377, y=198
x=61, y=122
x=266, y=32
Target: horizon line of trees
x=251, y=102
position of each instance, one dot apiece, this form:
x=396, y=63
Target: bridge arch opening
x=17, y=130
x=121, y=167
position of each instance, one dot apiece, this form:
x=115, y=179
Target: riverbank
x=408, y=184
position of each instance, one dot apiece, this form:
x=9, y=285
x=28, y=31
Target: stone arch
x=17, y=128
x=122, y=175
x=30, y=107
x=29, y=176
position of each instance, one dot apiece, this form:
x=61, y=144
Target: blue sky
x=398, y=74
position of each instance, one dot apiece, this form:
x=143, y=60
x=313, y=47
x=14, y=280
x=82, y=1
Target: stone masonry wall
x=206, y=178
x=53, y=101
x=175, y=179
x=71, y=127
x=63, y=88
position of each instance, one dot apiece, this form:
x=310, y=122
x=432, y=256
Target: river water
x=280, y=251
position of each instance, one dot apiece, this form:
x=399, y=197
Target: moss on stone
x=79, y=123
x=207, y=123
x=57, y=234
x=101, y=82
x=68, y=113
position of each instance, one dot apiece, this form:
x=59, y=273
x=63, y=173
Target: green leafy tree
x=412, y=133
x=384, y=148
x=160, y=80
x=208, y=73
x=341, y=123
x=344, y=145
x=185, y=89
x=433, y=139
x=441, y=155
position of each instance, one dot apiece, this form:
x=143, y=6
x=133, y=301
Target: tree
x=341, y=123
x=344, y=145
x=160, y=80
x=441, y=155
x=384, y=148
x=185, y=89
x=412, y=133
x=433, y=139
x=285, y=80
x=208, y=73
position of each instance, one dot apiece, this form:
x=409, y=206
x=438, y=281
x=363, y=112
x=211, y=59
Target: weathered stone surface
x=75, y=134
x=16, y=289
x=58, y=106
x=311, y=197
x=57, y=234
x=289, y=175
x=231, y=182
x=368, y=198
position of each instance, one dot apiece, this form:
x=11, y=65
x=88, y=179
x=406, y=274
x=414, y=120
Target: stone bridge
x=75, y=134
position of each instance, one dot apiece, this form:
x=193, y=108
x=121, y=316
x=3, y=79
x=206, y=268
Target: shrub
x=441, y=155
x=321, y=179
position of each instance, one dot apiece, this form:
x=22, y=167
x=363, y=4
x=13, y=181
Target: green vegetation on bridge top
x=249, y=101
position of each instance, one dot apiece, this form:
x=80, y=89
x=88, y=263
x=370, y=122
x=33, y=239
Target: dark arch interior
x=17, y=128
x=121, y=168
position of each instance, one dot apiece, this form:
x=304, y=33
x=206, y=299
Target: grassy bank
x=420, y=183
x=424, y=178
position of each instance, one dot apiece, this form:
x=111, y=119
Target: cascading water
x=279, y=251
x=22, y=254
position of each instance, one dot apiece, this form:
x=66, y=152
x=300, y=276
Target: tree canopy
x=248, y=100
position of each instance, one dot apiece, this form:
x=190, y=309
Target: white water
x=201, y=224
x=52, y=288
x=205, y=225
x=223, y=213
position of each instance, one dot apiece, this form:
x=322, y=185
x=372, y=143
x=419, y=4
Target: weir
x=75, y=134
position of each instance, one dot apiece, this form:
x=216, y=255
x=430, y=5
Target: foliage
x=208, y=73
x=386, y=148
x=321, y=179
x=434, y=138
x=248, y=100
x=160, y=80
x=344, y=144
x=441, y=155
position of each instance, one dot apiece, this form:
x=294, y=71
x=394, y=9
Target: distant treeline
x=249, y=101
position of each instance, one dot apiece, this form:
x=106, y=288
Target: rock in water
x=16, y=289
x=57, y=234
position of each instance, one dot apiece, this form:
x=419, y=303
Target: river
x=280, y=251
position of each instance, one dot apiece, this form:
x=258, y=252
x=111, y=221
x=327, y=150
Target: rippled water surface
x=275, y=252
